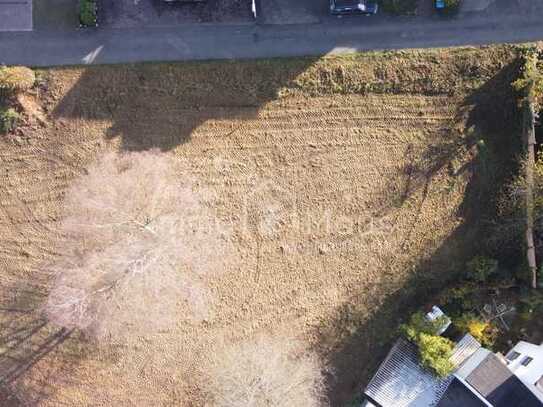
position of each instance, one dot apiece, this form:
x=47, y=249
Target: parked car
x=349, y=7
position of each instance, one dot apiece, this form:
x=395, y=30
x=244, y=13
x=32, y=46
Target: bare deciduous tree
x=265, y=373
x=138, y=246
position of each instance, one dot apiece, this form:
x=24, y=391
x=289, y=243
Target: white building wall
x=531, y=373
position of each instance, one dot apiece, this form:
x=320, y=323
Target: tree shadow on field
x=34, y=356
x=493, y=118
x=359, y=334
x=160, y=105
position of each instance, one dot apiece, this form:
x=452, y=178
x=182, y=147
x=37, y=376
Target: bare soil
x=345, y=182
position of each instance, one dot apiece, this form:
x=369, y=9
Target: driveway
x=158, y=13
x=15, y=15
x=55, y=15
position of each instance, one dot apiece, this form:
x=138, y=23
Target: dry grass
x=340, y=180
x=16, y=79
x=265, y=372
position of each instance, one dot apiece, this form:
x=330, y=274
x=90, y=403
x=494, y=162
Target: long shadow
x=373, y=316
x=359, y=334
x=494, y=121
x=26, y=339
x=160, y=105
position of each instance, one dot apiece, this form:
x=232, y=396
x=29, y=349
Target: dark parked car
x=348, y=7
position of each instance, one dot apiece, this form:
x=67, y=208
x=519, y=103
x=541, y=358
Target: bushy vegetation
x=481, y=330
x=530, y=81
x=481, y=268
x=523, y=202
x=531, y=303
x=16, y=79
x=419, y=324
x=434, y=350
x=87, y=13
x=459, y=299
x=9, y=119
x=509, y=232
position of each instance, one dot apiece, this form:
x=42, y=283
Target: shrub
x=531, y=301
x=530, y=81
x=87, y=13
x=16, y=79
x=9, y=119
x=481, y=268
x=459, y=299
x=481, y=330
x=419, y=324
x=434, y=350
x=435, y=353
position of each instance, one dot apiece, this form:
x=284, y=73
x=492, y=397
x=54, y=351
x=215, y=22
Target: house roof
x=472, y=363
x=495, y=382
x=464, y=349
x=15, y=15
x=457, y=394
x=400, y=380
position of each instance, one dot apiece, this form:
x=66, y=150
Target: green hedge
x=87, y=13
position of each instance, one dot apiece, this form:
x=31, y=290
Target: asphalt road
x=196, y=42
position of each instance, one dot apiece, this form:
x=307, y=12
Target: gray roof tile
x=400, y=381
x=494, y=381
